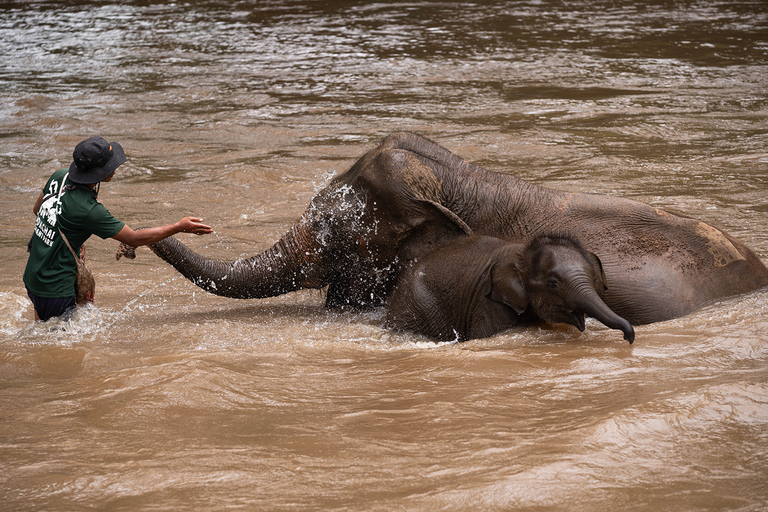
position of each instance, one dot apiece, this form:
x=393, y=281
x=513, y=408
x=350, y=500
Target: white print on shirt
x=48, y=214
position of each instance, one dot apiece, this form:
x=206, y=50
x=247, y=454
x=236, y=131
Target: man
x=68, y=205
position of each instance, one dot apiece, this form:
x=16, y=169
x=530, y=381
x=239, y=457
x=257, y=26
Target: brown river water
x=163, y=397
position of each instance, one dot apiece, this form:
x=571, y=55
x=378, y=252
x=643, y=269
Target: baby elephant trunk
x=592, y=305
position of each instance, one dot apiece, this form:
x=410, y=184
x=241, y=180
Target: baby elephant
x=478, y=286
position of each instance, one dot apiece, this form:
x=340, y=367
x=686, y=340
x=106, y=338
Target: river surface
x=163, y=397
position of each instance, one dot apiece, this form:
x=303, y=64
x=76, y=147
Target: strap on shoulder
x=69, y=246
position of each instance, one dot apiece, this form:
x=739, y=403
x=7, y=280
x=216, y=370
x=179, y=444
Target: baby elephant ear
x=600, y=284
x=507, y=287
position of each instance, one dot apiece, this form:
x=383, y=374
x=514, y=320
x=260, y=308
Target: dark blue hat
x=94, y=160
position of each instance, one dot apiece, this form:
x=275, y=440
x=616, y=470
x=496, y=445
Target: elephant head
x=564, y=283
x=346, y=240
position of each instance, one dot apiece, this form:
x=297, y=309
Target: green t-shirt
x=51, y=269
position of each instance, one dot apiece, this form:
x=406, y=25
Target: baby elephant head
x=565, y=283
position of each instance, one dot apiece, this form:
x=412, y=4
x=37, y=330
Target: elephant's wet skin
x=349, y=237
x=477, y=286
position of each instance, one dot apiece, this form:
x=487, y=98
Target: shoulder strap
x=63, y=183
x=61, y=191
x=69, y=246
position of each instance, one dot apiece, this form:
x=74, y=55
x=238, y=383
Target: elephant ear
x=507, y=285
x=600, y=283
x=455, y=219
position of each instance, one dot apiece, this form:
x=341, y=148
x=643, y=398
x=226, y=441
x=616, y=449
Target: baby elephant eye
x=553, y=282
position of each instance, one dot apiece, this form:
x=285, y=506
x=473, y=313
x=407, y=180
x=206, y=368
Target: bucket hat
x=94, y=160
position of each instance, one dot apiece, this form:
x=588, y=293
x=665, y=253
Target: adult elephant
x=658, y=265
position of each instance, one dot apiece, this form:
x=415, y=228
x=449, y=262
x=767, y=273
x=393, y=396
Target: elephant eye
x=553, y=282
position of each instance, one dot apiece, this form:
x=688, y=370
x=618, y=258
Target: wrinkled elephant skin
x=660, y=265
x=477, y=286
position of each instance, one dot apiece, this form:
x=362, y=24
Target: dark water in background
x=164, y=397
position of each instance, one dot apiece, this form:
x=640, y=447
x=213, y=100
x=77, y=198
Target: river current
x=163, y=397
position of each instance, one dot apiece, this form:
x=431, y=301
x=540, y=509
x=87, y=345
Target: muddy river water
x=164, y=397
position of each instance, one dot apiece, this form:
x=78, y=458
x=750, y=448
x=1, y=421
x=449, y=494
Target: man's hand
x=194, y=225
x=146, y=236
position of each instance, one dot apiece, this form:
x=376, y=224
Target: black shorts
x=49, y=307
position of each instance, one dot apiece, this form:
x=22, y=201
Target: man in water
x=68, y=205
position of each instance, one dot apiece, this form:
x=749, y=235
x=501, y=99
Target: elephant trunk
x=294, y=262
x=589, y=303
x=307, y=256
